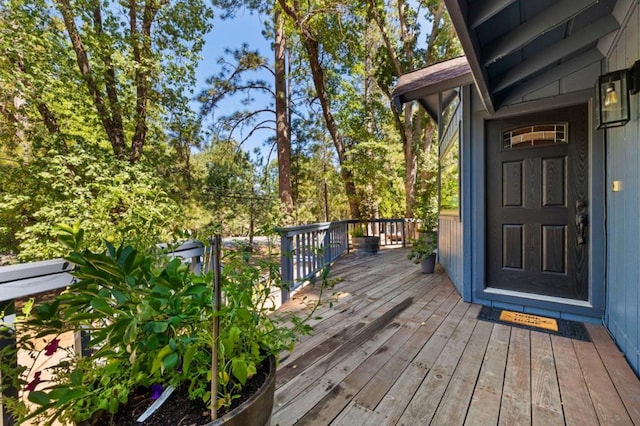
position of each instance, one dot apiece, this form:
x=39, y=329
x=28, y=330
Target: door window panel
x=537, y=135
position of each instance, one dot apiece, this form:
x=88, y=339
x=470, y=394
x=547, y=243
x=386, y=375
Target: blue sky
x=232, y=33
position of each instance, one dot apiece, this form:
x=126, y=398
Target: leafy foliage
x=317, y=185
x=423, y=247
x=112, y=198
x=150, y=323
x=427, y=208
x=239, y=193
x=110, y=73
x=142, y=318
x=59, y=117
x=54, y=138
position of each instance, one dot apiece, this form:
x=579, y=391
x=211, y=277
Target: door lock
x=582, y=221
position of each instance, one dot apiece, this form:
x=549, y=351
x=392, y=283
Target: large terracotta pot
x=256, y=411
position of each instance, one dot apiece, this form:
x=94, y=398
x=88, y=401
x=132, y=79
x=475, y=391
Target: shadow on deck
x=401, y=347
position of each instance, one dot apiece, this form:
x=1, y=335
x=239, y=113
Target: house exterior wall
x=614, y=216
x=451, y=253
x=623, y=207
x=450, y=248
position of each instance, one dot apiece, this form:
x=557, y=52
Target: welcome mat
x=559, y=327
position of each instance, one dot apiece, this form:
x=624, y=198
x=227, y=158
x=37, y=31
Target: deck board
x=546, y=406
x=577, y=406
x=619, y=370
x=610, y=410
x=361, y=416
x=340, y=396
x=393, y=404
x=515, y=408
x=427, y=397
x=400, y=347
x=484, y=408
x=460, y=389
x=373, y=392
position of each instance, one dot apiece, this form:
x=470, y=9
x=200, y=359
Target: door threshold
x=539, y=297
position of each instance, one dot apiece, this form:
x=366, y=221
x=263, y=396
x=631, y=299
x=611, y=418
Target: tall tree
x=399, y=29
x=312, y=46
x=283, y=140
x=80, y=81
x=235, y=189
x=230, y=82
x=133, y=63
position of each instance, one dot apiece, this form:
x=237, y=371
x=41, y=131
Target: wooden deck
x=401, y=347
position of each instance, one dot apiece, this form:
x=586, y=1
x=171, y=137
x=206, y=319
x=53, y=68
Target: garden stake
x=216, y=245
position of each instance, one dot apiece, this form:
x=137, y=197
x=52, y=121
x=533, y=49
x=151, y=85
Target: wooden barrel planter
x=256, y=411
x=367, y=245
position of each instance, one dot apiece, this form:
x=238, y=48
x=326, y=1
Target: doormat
x=559, y=327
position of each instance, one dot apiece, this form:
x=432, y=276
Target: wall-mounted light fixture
x=612, y=96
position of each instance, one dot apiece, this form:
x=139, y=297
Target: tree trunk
x=411, y=127
x=47, y=115
x=283, y=141
x=311, y=46
x=110, y=80
x=313, y=54
x=141, y=41
x=114, y=134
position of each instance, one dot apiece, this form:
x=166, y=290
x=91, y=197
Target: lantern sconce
x=612, y=96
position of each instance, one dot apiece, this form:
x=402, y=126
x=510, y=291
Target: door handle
x=582, y=221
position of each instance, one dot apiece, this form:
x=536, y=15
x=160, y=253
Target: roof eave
x=426, y=84
x=468, y=43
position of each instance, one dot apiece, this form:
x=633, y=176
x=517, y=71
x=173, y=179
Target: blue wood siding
x=623, y=209
x=450, y=249
x=450, y=227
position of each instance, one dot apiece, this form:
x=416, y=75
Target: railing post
x=216, y=247
x=344, y=235
x=7, y=338
x=196, y=265
x=286, y=264
x=328, y=247
x=81, y=341
x=404, y=234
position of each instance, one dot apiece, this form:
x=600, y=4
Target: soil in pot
x=178, y=409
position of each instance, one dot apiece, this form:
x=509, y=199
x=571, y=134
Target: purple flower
x=31, y=386
x=51, y=347
x=156, y=391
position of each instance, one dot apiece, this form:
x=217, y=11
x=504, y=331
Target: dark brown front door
x=537, y=188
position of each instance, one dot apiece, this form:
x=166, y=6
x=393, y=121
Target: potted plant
x=149, y=322
x=423, y=251
x=365, y=244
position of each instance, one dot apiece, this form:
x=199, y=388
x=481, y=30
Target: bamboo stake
x=216, y=244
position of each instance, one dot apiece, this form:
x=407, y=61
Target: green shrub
x=150, y=322
x=113, y=199
x=423, y=247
